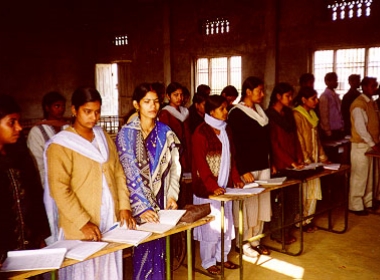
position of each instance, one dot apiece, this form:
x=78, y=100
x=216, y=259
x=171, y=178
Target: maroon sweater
x=207, y=155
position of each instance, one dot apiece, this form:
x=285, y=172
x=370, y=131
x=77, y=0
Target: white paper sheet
x=78, y=250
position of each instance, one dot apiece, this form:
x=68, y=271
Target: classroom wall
x=50, y=46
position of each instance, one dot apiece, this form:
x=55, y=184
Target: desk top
x=111, y=247
x=290, y=182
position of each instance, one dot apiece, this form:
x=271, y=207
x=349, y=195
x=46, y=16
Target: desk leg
x=54, y=275
x=241, y=202
x=168, y=259
x=222, y=238
x=189, y=255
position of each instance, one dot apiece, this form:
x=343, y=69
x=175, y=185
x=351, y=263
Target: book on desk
x=34, y=259
x=168, y=220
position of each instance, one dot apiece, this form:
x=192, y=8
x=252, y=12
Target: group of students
x=90, y=182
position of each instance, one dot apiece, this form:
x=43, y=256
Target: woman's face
x=87, y=115
x=200, y=108
x=257, y=94
x=311, y=102
x=220, y=113
x=285, y=99
x=56, y=110
x=148, y=106
x=10, y=129
x=176, y=98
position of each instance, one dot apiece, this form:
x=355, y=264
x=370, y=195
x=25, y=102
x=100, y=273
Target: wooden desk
x=113, y=247
x=223, y=198
x=229, y=197
x=344, y=169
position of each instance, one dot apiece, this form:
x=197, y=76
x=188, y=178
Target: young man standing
x=365, y=136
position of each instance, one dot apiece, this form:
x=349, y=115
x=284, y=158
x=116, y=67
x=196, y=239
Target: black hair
x=141, y=90
x=305, y=92
x=50, y=98
x=280, y=88
x=353, y=77
x=213, y=102
x=204, y=89
x=330, y=76
x=8, y=106
x=83, y=95
x=200, y=97
x=172, y=87
x=305, y=78
x=367, y=80
x=250, y=83
x=159, y=88
x=230, y=91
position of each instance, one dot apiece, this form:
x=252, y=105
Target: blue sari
x=147, y=164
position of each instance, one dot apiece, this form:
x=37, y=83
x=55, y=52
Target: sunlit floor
x=354, y=254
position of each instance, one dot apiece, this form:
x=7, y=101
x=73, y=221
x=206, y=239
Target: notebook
x=272, y=181
x=34, y=259
x=124, y=235
x=78, y=250
x=168, y=220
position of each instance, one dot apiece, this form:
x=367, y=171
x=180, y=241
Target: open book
x=168, y=220
x=272, y=181
x=78, y=250
x=243, y=191
x=34, y=259
x=123, y=235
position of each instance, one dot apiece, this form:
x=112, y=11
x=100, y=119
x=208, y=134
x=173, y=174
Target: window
x=362, y=61
x=219, y=72
x=215, y=26
x=346, y=9
x=120, y=40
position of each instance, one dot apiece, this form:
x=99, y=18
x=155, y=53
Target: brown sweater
x=76, y=186
x=373, y=120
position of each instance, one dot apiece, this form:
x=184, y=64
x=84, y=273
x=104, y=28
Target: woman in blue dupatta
x=149, y=154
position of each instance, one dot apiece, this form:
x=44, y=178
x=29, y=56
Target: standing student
x=23, y=218
x=250, y=131
x=332, y=124
x=148, y=151
x=348, y=98
x=213, y=171
x=53, y=106
x=312, y=150
x=85, y=192
x=177, y=118
x=197, y=111
x=365, y=133
x=286, y=154
x=230, y=93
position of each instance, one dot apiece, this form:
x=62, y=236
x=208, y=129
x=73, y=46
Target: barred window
x=215, y=26
x=218, y=72
x=347, y=9
x=361, y=61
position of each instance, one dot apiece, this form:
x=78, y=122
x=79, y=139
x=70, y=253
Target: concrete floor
x=354, y=254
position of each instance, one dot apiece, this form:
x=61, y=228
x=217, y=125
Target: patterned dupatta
x=146, y=163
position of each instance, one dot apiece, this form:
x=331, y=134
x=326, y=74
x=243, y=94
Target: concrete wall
x=48, y=47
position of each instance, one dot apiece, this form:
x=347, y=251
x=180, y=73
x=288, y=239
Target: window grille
x=219, y=72
x=215, y=26
x=361, y=61
x=346, y=9
x=120, y=40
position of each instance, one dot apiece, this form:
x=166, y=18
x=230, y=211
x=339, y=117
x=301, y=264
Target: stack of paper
x=236, y=191
x=272, y=181
x=78, y=250
x=34, y=259
x=332, y=166
x=168, y=220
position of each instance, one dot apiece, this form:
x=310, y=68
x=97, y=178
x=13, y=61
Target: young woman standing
x=149, y=153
